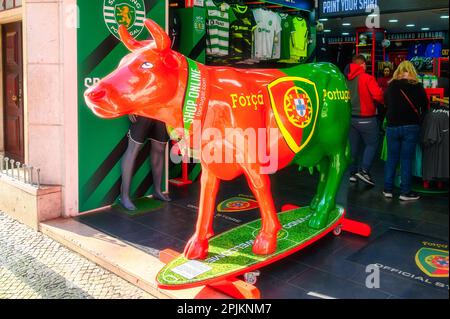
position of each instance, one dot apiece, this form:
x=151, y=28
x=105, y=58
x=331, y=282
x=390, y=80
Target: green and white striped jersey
x=218, y=16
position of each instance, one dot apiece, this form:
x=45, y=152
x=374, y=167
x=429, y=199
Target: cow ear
x=172, y=61
x=160, y=37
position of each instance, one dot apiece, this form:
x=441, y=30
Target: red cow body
x=152, y=82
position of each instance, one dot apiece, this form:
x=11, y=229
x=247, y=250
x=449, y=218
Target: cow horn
x=161, y=38
x=129, y=41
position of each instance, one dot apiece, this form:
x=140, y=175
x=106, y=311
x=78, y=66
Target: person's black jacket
x=399, y=110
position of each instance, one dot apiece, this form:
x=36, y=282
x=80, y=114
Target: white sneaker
x=365, y=177
x=388, y=194
x=409, y=197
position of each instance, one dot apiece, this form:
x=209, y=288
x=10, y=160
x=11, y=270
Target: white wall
x=51, y=99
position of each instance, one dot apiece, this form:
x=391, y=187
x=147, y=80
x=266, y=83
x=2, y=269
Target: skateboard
x=230, y=253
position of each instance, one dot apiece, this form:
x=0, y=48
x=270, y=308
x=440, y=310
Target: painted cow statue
x=306, y=108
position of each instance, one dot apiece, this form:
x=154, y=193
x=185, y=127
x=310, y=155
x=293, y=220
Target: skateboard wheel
x=251, y=277
x=338, y=230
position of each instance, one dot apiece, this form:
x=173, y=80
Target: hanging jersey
x=286, y=30
x=416, y=50
x=276, y=51
x=299, y=48
x=435, y=143
x=434, y=50
x=218, y=28
x=264, y=34
x=241, y=32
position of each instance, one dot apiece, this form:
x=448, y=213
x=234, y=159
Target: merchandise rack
x=377, y=53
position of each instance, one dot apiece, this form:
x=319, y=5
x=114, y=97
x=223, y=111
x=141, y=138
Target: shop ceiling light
x=346, y=24
x=410, y=25
x=327, y=31
x=345, y=33
x=444, y=17
x=323, y=20
x=393, y=21
x=425, y=29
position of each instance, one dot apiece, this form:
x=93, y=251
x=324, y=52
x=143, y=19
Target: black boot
x=158, y=156
x=127, y=166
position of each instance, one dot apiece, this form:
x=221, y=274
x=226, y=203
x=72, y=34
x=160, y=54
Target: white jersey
x=276, y=52
x=218, y=28
x=267, y=31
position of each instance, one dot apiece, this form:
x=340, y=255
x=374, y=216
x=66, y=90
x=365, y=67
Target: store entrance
x=13, y=114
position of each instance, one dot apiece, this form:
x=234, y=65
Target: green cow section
x=231, y=252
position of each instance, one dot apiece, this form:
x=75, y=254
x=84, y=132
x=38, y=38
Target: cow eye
x=147, y=65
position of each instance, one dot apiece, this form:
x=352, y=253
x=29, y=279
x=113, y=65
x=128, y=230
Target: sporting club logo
x=433, y=262
x=199, y=24
x=237, y=204
x=130, y=13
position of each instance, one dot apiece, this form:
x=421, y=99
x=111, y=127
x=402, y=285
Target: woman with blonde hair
x=406, y=103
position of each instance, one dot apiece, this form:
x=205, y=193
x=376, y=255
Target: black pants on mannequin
x=157, y=155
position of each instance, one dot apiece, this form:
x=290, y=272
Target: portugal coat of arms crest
x=433, y=262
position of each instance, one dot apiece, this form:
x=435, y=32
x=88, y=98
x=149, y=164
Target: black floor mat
x=334, y=266
x=415, y=258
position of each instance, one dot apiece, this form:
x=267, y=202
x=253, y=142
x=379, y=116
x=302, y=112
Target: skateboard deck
x=230, y=253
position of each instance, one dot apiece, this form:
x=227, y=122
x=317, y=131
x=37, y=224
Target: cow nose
x=96, y=95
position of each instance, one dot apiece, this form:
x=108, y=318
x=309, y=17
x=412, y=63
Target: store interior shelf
x=418, y=39
x=338, y=43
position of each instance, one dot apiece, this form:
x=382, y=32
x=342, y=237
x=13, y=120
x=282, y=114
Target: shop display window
x=423, y=49
x=246, y=33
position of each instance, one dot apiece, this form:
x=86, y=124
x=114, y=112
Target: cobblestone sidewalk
x=34, y=266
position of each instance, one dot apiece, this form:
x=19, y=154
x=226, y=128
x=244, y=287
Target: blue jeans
x=401, y=145
x=367, y=131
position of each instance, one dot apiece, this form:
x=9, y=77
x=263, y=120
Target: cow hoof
x=314, y=203
x=265, y=244
x=196, y=248
x=318, y=221
x=210, y=234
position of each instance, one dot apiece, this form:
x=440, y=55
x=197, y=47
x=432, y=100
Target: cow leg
x=266, y=241
x=337, y=167
x=197, y=246
x=323, y=168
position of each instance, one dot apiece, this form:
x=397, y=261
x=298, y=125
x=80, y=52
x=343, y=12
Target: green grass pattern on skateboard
x=231, y=252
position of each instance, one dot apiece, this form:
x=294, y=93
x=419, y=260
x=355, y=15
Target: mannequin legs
x=127, y=173
x=157, y=156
